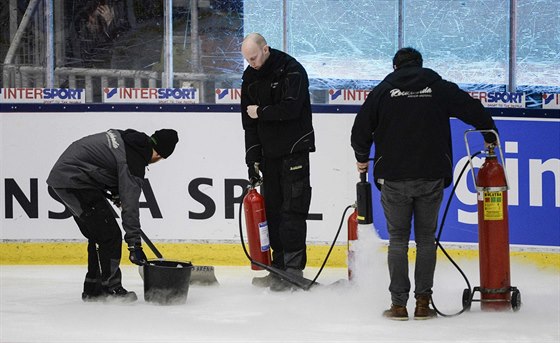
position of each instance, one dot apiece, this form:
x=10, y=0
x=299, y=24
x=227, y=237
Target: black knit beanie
x=164, y=141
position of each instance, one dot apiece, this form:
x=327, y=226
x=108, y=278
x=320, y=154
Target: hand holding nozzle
x=489, y=148
x=362, y=167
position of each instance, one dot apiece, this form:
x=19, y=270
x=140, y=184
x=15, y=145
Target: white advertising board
x=206, y=163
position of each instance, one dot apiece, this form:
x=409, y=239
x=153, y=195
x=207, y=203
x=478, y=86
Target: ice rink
x=43, y=304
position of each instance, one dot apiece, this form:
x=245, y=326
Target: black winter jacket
x=112, y=161
x=281, y=90
x=407, y=117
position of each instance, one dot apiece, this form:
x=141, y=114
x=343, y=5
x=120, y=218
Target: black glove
x=116, y=199
x=137, y=255
x=254, y=175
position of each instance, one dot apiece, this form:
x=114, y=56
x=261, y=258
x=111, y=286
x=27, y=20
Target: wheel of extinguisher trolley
x=467, y=299
x=515, y=300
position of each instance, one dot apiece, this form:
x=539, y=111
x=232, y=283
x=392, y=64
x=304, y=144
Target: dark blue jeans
x=402, y=201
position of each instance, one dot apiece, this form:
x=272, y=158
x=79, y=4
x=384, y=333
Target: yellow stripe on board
x=52, y=253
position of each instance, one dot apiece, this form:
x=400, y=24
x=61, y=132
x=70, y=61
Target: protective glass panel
x=464, y=41
x=207, y=37
x=538, y=45
x=23, y=44
x=109, y=43
x=109, y=34
x=343, y=43
x=266, y=18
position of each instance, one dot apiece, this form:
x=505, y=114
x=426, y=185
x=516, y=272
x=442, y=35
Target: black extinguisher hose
x=307, y=285
x=302, y=283
x=334, y=241
x=465, y=307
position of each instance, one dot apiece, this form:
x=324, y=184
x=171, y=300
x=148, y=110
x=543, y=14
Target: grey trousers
x=402, y=201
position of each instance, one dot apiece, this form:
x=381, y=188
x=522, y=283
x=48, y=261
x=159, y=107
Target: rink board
x=193, y=197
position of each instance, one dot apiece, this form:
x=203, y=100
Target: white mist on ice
x=370, y=275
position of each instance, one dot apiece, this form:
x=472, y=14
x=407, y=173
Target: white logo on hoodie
x=112, y=139
x=426, y=92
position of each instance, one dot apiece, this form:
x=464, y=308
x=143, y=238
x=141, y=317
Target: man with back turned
x=407, y=118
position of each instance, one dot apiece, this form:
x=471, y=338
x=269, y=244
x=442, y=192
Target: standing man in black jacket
x=407, y=117
x=276, y=117
x=105, y=165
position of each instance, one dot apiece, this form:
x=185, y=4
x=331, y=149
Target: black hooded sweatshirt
x=281, y=90
x=407, y=117
x=138, y=151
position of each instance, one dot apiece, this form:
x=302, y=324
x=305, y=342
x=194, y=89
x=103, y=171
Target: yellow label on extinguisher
x=493, y=205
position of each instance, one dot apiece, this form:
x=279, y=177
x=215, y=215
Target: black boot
x=264, y=281
x=94, y=297
x=122, y=295
x=294, y=261
x=268, y=280
x=93, y=291
x=281, y=285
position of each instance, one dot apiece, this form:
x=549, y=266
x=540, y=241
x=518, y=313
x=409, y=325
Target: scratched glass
x=342, y=43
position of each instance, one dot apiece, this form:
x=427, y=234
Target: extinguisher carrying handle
x=255, y=179
x=499, y=149
x=254, y=184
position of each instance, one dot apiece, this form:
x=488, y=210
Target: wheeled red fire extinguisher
x=496, y=291
x=363, y=214
x=257, y=228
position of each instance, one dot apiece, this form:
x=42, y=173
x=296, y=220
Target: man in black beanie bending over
x=111, y=165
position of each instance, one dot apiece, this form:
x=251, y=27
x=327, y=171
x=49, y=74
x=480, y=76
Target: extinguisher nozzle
x=363, y=200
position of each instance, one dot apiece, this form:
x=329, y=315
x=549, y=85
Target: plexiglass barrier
x=101, y=45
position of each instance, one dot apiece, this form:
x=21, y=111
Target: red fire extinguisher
x=493, y=236
x=257, y=228
x=352, y=239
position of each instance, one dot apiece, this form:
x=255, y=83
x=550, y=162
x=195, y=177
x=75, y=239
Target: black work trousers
x=96, y=221
x=287, y=193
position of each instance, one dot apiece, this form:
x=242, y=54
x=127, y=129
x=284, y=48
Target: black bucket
x=167, y=282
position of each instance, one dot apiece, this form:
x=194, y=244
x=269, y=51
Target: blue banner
x=531, y=150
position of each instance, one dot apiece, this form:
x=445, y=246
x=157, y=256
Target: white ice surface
x=43, y=304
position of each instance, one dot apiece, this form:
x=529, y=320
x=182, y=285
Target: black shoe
x=264, y=281
x=281, y=285
x=97, y=297
x=121, y=294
